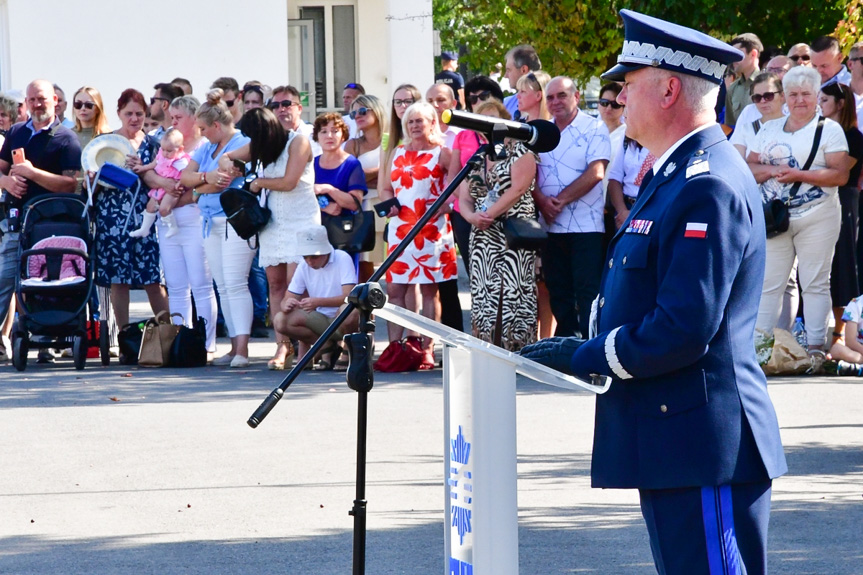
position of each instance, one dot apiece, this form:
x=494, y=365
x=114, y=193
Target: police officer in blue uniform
x=687, y=420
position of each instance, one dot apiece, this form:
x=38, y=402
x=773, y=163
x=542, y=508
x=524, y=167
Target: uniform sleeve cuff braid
x=611, y=356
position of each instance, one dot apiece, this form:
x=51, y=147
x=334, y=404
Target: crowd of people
x=777, y=108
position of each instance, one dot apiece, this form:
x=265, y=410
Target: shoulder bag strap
x=816, y=141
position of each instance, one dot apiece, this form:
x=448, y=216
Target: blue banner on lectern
x=457, y=567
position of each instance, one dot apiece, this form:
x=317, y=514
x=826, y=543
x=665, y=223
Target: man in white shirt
x=288, y=107
x=441, y=97
x=855, y=65
x=318, y=290
x=827, y=59
x=569, y=197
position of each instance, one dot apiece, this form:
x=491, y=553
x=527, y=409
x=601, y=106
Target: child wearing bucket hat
x=315, y=296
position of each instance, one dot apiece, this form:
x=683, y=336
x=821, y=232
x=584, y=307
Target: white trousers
x=230, y=260
x=811, y=239
x=187, y=271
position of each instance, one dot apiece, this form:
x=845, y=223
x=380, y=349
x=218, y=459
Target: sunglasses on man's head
x=359, y=112
x=605, y=103
x=282, y=104
x=88, y=105
x=766, y=96
x=482, y=96
x=352, y=86
x=804, y=57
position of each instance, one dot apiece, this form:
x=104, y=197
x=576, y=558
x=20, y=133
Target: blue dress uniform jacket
x=676, y=317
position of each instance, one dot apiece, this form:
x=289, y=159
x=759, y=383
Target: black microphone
x=538, y=135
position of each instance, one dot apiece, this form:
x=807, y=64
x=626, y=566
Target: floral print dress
x=119, y=258
x=417, y=179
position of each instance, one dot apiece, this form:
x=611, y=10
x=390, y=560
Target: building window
x=334, y=50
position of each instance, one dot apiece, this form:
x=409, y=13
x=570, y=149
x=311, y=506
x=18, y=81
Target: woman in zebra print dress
x=502, y=281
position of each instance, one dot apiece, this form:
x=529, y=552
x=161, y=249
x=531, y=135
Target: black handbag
x=353, y=233
x=189, y=348
x=776, y=215
x=129, y=340
x=524, y=234
x=244, y=211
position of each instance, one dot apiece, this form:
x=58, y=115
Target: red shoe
x=428, y=361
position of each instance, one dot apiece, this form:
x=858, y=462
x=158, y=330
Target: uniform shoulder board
x=698, y=164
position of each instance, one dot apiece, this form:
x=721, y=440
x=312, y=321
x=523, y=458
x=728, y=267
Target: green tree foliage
x=581, y=38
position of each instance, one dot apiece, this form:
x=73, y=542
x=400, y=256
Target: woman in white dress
x=288, y=177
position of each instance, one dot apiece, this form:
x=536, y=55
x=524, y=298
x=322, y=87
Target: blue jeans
x=572, y=264
x=259, y=289
x=8, y=269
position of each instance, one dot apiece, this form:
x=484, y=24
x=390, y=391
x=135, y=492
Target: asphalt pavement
x=118, y=470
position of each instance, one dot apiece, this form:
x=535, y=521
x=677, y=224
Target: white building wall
x=411, y=40
x=118, y=44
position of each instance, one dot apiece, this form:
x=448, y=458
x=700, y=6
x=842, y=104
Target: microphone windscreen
x=547, y=136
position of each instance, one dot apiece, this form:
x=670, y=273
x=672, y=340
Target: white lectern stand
x=481, y=508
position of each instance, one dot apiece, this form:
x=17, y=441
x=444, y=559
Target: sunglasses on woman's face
x=481, y=97
x=606, y=103
x=766, y=96
x=359, y=112
x=88, y=105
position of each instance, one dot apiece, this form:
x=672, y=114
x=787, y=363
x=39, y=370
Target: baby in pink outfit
x=170, y=161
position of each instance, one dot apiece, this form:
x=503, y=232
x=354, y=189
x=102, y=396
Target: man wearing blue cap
x=449, y=75
x=687, y=420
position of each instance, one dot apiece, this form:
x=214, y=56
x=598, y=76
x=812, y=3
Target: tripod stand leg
x=359, y=509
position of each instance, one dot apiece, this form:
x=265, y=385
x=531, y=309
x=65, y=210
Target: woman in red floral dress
x=417, y=179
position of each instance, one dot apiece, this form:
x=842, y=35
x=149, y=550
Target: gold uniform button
x=663, y=408
x=624, y=260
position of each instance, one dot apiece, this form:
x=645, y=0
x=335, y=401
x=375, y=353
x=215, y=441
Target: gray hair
x=188, y=104
x=10, y=106
x=802, y=77
x=699, y=95
x=427, y=111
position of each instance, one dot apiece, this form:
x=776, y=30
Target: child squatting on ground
x=848, y=357
x=170, y=161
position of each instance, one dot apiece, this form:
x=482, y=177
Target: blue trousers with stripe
x=708, y=530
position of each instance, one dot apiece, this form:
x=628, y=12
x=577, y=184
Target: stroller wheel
x=20, y=347
x=104, y=342
x=79, y=351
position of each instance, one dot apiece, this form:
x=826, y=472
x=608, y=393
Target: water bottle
x=799, y=333
x=490, y=199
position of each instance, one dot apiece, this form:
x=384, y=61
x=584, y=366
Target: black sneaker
x=259, y=329
x=45, y=356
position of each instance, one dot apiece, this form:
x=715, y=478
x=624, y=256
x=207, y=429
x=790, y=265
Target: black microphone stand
x=366, y=298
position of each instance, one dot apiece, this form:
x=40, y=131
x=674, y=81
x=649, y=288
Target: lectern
x=480, y=491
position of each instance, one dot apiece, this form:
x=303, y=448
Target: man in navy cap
x=687, y=420
x=449, y=75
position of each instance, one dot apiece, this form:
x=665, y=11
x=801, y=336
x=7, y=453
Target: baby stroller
x=54, y=279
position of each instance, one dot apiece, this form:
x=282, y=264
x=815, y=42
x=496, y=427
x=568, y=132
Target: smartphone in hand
x=383, y=208
x=18, y=156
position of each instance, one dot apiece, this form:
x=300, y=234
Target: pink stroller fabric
x=72, y=268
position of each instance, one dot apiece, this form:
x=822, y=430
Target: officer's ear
x=671, y=90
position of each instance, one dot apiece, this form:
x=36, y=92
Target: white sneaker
x=226, y=359
x=240, y=361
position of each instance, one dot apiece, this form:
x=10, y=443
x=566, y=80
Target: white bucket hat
x=108, y=148
x=313, y=241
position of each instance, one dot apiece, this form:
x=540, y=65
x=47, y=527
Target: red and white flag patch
x=695, y=230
